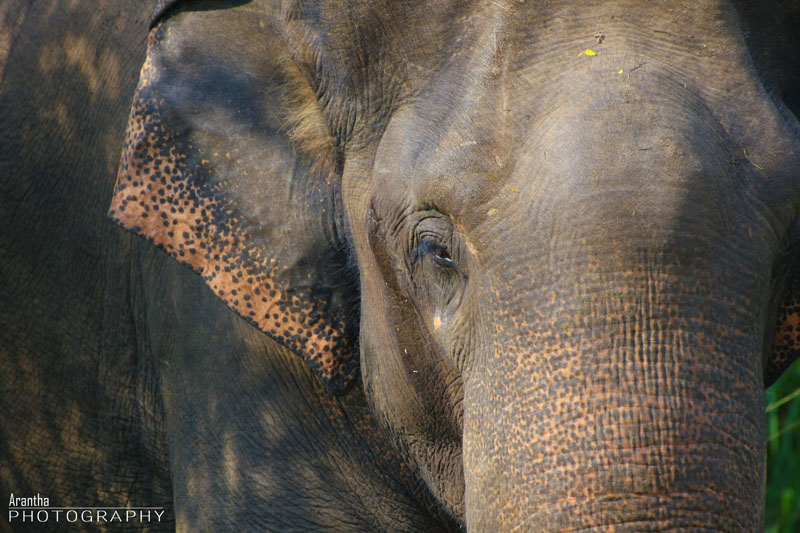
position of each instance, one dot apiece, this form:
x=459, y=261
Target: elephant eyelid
x=426, y=246
x=439, y=254
x=442, y=258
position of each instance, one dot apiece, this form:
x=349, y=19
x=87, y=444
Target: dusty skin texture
x=574, y=229
x=178, y=204
x=80, y=420
x=125, y=381
x=484, y=266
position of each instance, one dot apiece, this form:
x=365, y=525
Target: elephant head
x=555, y=242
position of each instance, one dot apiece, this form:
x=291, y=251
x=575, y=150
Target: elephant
x=451, y=265
x=80, y=424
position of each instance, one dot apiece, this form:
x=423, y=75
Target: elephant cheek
x=402, y=395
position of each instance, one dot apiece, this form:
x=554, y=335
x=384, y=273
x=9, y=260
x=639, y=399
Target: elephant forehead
x=448, y=164
x=547, y=112
x=474, y=156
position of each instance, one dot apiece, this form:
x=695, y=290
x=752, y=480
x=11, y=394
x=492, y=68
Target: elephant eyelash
x=439, y=253
x=443, y=257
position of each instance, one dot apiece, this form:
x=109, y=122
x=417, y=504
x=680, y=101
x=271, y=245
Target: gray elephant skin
x=506, y=265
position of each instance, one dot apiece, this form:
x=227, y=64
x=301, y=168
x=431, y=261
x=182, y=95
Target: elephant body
x=100, y=332
x=398, y=266
x=81, y=423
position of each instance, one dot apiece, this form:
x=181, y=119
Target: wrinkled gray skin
x=570, y=266
x=125, y=382
x=81, y=421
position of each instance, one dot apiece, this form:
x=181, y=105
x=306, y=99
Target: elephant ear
x=229, y=167
x=786, y=339
x=161, y=8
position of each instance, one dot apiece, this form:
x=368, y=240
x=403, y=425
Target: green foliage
x=783, y=453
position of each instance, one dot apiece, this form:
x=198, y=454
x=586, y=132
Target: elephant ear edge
x=786, y=338
x=162, y=6
x=214, y=172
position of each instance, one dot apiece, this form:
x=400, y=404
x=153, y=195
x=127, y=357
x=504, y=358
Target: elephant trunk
x=631, y=418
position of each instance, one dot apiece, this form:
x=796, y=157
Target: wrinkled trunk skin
x=616, y=249
x=639, y=430
x=623, y=387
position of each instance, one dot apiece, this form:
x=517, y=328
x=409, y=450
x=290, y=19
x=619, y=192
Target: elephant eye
x=442, y=257
x=438, y=253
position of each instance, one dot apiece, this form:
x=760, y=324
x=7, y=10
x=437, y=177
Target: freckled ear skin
x=786, y=340
x=210, y=174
